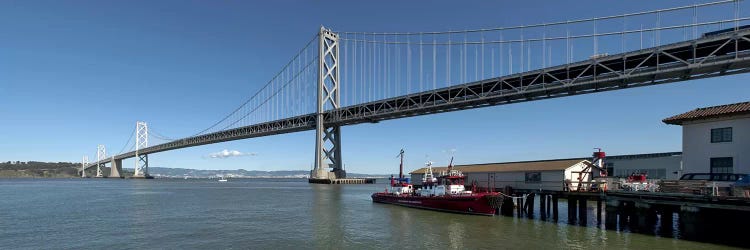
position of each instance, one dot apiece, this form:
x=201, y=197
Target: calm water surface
x=263, y=214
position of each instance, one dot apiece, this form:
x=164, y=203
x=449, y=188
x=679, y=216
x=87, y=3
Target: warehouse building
x=546, y=175
x=552, y=174
x=663, y=166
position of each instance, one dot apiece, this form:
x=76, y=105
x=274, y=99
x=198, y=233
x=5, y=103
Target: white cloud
x=229, y=153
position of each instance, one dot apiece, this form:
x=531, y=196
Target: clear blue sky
x=74, y=74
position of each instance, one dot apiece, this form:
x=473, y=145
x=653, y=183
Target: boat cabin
x=449, y=182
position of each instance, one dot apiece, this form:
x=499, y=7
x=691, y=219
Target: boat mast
x=450, y=166
x=401, y=166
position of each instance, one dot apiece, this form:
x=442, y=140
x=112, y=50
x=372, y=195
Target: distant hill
x=35, y=169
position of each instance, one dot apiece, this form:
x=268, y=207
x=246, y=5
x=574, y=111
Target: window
x=721, y=165
x=721, y=135
x=533, y=176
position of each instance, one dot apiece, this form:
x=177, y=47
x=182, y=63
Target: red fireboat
x=443, y=193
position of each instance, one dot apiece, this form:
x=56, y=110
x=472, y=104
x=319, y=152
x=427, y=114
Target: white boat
x=222, y=179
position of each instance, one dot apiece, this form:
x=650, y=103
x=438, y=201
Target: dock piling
x=543, y=206
x=582, y=212
x=554, y=207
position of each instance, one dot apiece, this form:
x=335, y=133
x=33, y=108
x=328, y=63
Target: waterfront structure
x=715, y=139
x=557, y=175
x=352, y=78
x=551, y=174
x=664, y=166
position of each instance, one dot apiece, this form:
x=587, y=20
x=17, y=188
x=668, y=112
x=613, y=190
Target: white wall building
x=715, y=139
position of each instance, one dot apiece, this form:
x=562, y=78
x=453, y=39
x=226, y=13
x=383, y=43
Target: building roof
x=642, y=156
x=741, y=108
x=549, y=165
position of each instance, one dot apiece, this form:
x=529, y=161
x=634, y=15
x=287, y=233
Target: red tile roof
x=710, y=112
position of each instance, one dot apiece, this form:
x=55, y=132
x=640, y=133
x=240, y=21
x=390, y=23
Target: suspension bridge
x=344, y=78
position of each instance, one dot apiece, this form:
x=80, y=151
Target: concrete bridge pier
x=115, y=169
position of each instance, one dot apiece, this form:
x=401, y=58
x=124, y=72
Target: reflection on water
x=326, y=216
x=283, y=214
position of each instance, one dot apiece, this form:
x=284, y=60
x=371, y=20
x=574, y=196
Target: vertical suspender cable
x=342, y=64
x=355, y=64
x=397, y=88
x=522, y=51
x=492, y=62
x=465, y=61
x=596, y=40
x=434, y=64
x=476, y=66
x=544, y=47
x=501, y=54
x=658, y=28
x=483, y=56
x=448, y=69
x=408, y=64
x=421, y=74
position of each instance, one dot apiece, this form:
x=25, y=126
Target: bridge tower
x=101, y=155
x=141, y=142
x=327, y=138
x=84, y=162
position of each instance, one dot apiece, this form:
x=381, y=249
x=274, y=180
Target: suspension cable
x=263, y=88
x=547, y=24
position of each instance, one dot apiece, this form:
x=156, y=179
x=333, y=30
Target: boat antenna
x=450, y=165
x=401, y=166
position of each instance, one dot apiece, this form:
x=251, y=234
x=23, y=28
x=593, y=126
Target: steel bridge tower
x=141, y=142
x=101, y=154
x=84, y=163
x=327, y=138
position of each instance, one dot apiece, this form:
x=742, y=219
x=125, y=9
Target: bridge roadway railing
x=701, y=58
x=704, y=57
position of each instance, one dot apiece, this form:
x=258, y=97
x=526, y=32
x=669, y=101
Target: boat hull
x=477, y=204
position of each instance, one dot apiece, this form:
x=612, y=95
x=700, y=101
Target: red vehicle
x=443, y=193
x=639, y=177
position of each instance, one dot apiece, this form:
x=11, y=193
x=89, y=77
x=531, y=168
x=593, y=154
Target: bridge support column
x=84, y=163
x=115, y=168
x=141, y=142
x=101, y=154
x=327, y=138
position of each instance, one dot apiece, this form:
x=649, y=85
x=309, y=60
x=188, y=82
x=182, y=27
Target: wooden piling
x=554, y=207
x=507, y=207
x=530, y=203
x=582, y=212
x=572, y=204
x=549, y=204
x=519, y=205
x=598, y=210
x=543, y=206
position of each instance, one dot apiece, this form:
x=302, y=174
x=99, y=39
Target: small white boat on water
x=222, y=179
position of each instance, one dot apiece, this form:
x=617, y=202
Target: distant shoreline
x=33, y=169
